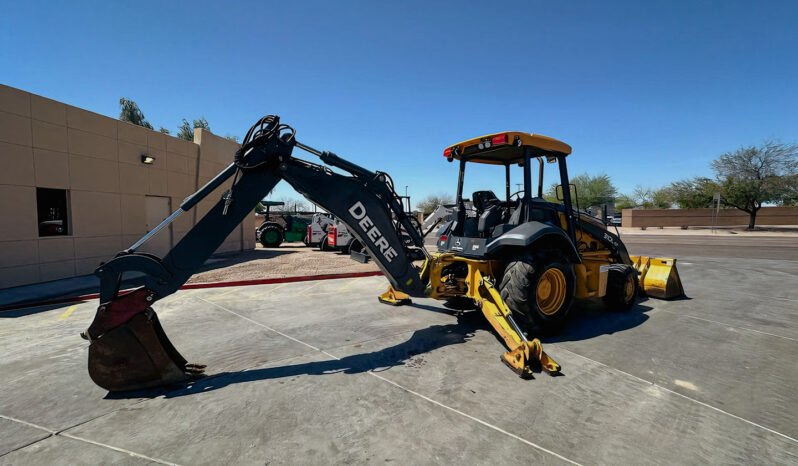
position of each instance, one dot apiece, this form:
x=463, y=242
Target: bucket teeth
x=195, y=369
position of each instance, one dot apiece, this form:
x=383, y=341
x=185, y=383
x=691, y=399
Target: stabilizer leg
x=524, y=355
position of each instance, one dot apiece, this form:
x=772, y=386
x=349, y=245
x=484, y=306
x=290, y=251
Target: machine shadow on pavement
x=422, y=341
x=592, y=319
x=588, y=319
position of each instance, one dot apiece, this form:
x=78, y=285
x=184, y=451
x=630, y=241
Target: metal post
x=507, y=184
x=460, y=204
x=566, y=198
x=527, y=183
x=540, y=177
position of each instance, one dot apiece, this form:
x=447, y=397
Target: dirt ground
x=288, y=260
x=296, y=259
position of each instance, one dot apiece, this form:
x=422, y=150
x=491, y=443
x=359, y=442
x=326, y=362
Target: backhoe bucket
x=658, y=276
x=129, y=349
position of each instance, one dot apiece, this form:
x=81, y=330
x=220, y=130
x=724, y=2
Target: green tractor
x=272, y=232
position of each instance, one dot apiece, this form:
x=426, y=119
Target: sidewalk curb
x=195, y=286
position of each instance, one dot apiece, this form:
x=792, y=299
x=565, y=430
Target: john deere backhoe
x=541, y=255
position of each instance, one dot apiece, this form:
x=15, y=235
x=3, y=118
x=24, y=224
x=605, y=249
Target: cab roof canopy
x=506, y=148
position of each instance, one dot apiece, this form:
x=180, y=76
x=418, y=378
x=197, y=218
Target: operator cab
x=474, y=229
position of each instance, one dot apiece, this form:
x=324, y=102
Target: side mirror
x=574, y=194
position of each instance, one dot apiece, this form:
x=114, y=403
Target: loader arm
x=129, y=349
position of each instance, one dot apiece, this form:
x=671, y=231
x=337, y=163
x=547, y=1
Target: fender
x=610, y=240
x=527, y=233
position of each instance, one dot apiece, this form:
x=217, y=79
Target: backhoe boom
x=129, y=350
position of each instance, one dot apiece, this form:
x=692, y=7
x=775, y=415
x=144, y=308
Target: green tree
x=752, y=176
x=646, y=198
x=590, y=191
x=186, y=130
x=694, y=193
x=662, y=198
x=291, y=204
x=642, y=197
x=163, y=130
x=231, y=138
x=431, y=202
x=624, y=201
x=131, y=113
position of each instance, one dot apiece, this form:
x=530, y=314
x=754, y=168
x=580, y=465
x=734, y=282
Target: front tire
x=540, y=290
x=621, y=287
x=271, y=235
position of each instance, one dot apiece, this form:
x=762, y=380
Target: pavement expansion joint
x=410, y=391
x=707, y=405
x=727, y=325
x=61, y=433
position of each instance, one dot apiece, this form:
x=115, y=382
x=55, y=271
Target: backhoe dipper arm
x=365, y=203
x=129, y=349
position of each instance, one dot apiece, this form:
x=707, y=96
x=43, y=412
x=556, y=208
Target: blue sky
x=647, y=93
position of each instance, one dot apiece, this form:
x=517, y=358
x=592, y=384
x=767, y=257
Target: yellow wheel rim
x=551, y=290
x=629, y=289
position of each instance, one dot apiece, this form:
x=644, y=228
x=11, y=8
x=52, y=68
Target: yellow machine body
x=656, y=276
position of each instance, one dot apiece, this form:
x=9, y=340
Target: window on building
x=52, y=206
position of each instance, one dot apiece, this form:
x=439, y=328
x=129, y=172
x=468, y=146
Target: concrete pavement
x=321, y=372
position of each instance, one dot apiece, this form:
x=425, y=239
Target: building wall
x=48, y=144
x=703, y=217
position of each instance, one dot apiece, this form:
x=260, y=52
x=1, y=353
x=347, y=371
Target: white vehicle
x=339, y=239
x=317, y=230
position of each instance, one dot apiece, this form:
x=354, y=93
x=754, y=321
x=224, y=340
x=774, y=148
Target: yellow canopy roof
x=506, y=148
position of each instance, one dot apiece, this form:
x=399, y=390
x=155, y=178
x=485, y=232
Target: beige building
x=76, y=187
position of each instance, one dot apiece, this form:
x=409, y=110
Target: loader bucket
x=658, y=277
x=129, y=349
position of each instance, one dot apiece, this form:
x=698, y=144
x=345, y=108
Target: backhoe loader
x=511, y=259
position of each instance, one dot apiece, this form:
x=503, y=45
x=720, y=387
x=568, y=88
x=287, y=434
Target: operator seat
x=483, y=200
x=489, y=211
x=540, y=211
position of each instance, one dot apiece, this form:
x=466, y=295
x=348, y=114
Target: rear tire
x=541, y=290
x=323, y=244
x=271, y=235
x=621, y=287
